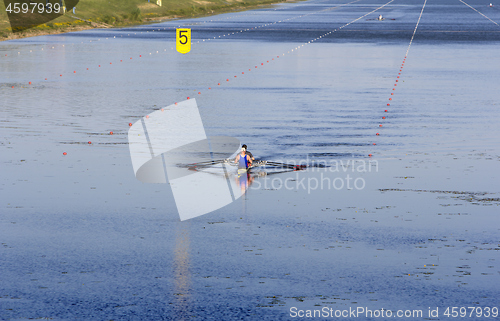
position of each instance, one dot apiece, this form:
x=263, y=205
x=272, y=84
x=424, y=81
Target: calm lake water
x=83, y=239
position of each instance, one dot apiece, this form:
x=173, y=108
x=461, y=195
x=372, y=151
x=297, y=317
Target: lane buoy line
x=276, y=22
x=290, y=51
x=295, y=49
x=188, y=24
x=248, y=29
x=386, y=110
x=479, y=12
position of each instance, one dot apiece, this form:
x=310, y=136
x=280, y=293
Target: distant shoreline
x=149, y=14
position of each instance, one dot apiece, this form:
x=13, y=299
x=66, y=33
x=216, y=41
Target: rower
x=243, y=160
x=247, y=152
x=380, y=17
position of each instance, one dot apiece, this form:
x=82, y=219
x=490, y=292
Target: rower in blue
x=244, y=161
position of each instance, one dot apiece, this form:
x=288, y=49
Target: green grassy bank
x=119, y=13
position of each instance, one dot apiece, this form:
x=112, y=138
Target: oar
x=291, y=166
x=205, y=163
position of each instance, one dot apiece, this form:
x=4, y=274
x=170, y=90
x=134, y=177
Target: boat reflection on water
x=180, y=307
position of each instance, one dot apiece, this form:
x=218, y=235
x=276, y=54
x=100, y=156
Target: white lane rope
x=479, y=12
x=415, y=30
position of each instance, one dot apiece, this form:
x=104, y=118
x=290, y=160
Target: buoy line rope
x=479, y=12
x=172, y=48
x=416, y=26
x=174, y=27
x=290, y=51
x=276, y=22
x=402, y=65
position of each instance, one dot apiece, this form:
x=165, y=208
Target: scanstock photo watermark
x=333, y=175
x=365, y=312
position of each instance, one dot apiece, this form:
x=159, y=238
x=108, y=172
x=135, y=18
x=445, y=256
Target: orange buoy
x=90, y=142
x=218, y=84
x=74, y=71
x=188, y=98
x=111, y=133
x=374, y=144
x=383, y=117
x=388, y=104
x=380, y=125
x=209, y=87
x=65, y=153
x=130, y=124
x=30, y=82
x=385, y=110
x=147, y=116
x=45, y=78
x=369, y=155
x=377, y=134
x=390, y=98
x=199, y=93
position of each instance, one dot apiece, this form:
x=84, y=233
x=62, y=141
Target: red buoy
x=388, y=104
x=30, y=82
x=74, y=71
x=65, y=153
x=111, y=133
x=390, y=98
x=199, y=93
x=385, y=110
x=369, y=155
x=383, y=117
x=188, y=98
x=377, y=134
x=90, y=142
x=130, y=124
x=374, y=144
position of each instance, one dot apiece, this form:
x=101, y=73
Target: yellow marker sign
x=183, y=40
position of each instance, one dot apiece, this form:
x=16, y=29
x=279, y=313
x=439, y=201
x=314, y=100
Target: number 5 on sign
x=183, y=40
